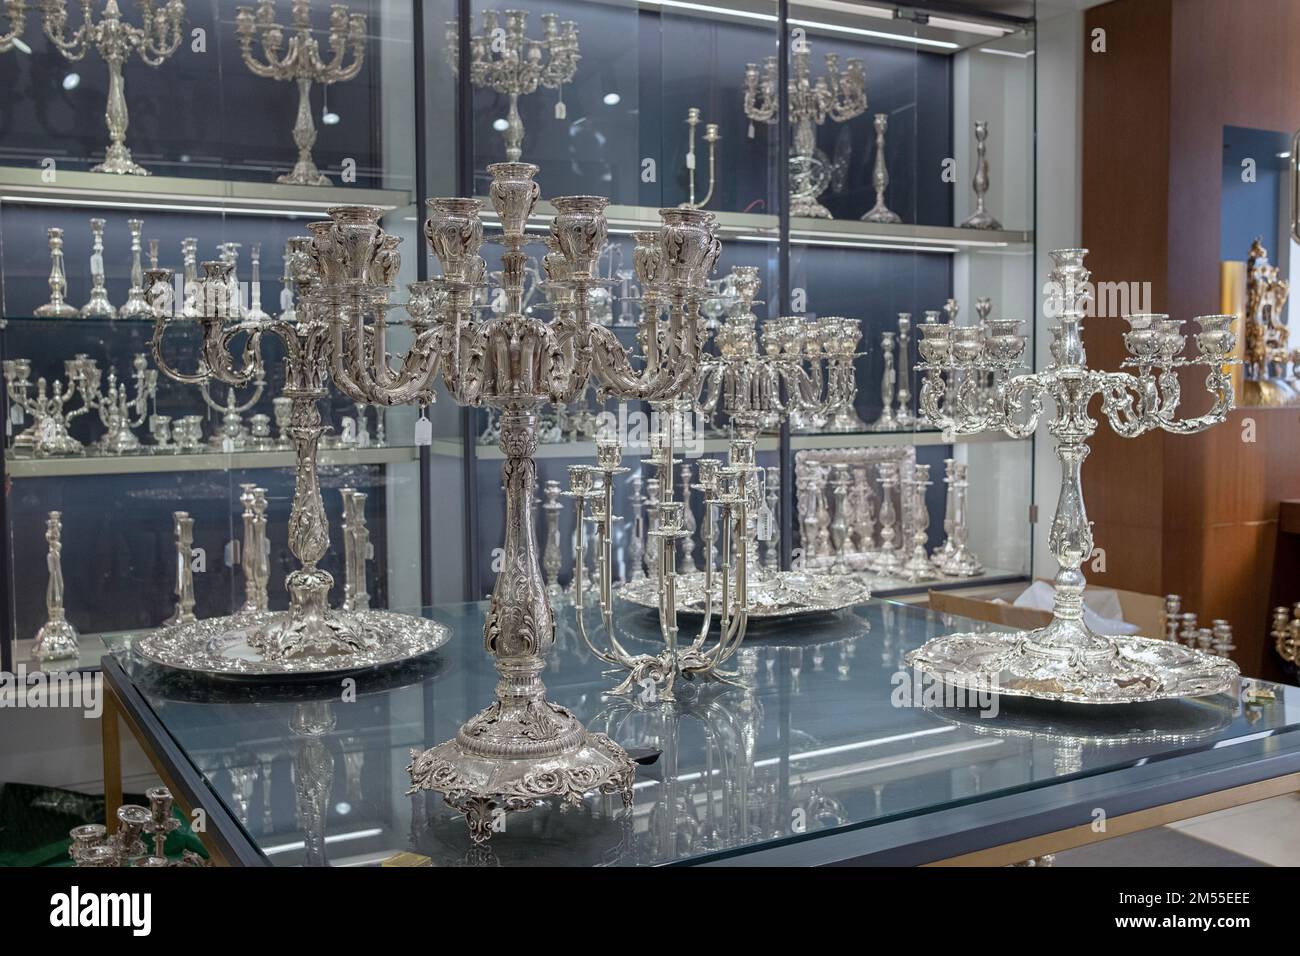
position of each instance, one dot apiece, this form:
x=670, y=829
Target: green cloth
x=34, y=824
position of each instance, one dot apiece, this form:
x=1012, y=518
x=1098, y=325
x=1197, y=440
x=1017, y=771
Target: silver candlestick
x=254, y=560
x=57, y=637
x=255, y=311
x=772, y=555
x=356, y=550
x=880, y=176
x=888, y=562
x=303, y=64
x=504, y=59
x=949, y=510
x=838, y=96
x=156, y=39
x=57, y=307
x=904, y=415
x=135, y=307
x=551, y=558
x=98, y=307
x=981, y=218
x=888, y=381
x=960, y=561
x=686, y=560
x=1066, y=660
x=636, y=541
x=917, y=566
x=183, y=525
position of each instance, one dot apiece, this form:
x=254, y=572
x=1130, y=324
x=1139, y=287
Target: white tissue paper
x=1101, y=610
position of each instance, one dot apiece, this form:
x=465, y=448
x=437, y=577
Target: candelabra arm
x=613, y=369
x=73, y=47
x=357, y=378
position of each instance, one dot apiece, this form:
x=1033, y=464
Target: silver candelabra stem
x=302, y=63
x=57, y=638
x=551, y=557
x=880, y=176
x=154, y=41
x=772, y=555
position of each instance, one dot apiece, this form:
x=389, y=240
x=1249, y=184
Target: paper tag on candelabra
x=97, y=264
x=227, y=446
x=690, y=160
x=766, y=523
x=16, y=414
x=751, y=130
x=232, y=553
x=560, y=110
x=423, y=430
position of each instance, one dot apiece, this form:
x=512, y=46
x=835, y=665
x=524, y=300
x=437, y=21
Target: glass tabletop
x=827, y=730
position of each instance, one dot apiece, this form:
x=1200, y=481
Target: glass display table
x=827, y=755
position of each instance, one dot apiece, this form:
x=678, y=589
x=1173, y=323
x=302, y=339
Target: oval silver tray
x=773, y=595
x=219, y=646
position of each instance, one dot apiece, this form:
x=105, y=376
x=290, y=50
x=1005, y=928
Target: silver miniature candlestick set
x=154, y=41
x=504, y=59
x=524, y=747
x=343, y=276
x=93, y=846
x=303, y=64
x=837, y=95
x=1181, y=628
x=98, y=306
x=1065, y=660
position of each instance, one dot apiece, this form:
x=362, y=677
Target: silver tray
x=219, y=646
x=1139, y=669
x=773, y=595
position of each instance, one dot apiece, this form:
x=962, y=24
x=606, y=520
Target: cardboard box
x=1145, y=610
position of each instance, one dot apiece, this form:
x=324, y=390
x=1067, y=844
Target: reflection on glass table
x=829, y=735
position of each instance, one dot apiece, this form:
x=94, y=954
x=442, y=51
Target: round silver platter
x=773, y=595
x=219, y=646
x=1140, y=669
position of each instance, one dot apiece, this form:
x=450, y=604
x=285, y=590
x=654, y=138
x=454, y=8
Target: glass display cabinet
x=863, y=161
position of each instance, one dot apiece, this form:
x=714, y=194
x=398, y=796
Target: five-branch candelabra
x=837, y=95
x=156, y=39
x=303, y=63
x=1066, y=660
x=343, y=276
x=503, y=58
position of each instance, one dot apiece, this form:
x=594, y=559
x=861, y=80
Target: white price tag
x=423, y=430
x=16, y=414
x=97, y=264
x=766, y=523
x=690, y=160
x=561, y=111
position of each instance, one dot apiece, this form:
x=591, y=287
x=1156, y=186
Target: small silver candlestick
x=981, y=218
x=356, y=550
x=711, y=136
x=887, y=422
x=57, y=638
x=552, y=560
x=961, y=561
x=880, y=176
x=57, y=307
x=184, y=529
x=98, y=307
x=135, y=306
x=254, y=559
x=255, y=311
x=686, y=561
x=888, y=562
x=918, y=567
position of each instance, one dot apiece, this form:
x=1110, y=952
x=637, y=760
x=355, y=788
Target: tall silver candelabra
x=302, y=63
x=837, y=95
x=505, y=59
x=344, y=276
x=1065, y=660
x=524, y=747
x=157, y=38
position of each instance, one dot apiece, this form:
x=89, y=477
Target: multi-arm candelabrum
x=156, y=39
x=838, y=96
x=343, y=276
x=302, y=63
x=503, y=58
x=1066, y=660
x=711, y=137
x=524, y=747
x=16, y=11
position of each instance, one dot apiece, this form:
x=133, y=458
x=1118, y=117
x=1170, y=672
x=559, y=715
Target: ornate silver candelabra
x=344, y=277
x=302, y=63
x=57, y=637
x=157, y=38
x=711, y=136
x=48, y=433
x=1065, y=660
x=524, y=747
x=504, y=59
x=838, y=96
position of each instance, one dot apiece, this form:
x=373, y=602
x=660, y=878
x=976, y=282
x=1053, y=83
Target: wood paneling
x=1194, y=515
